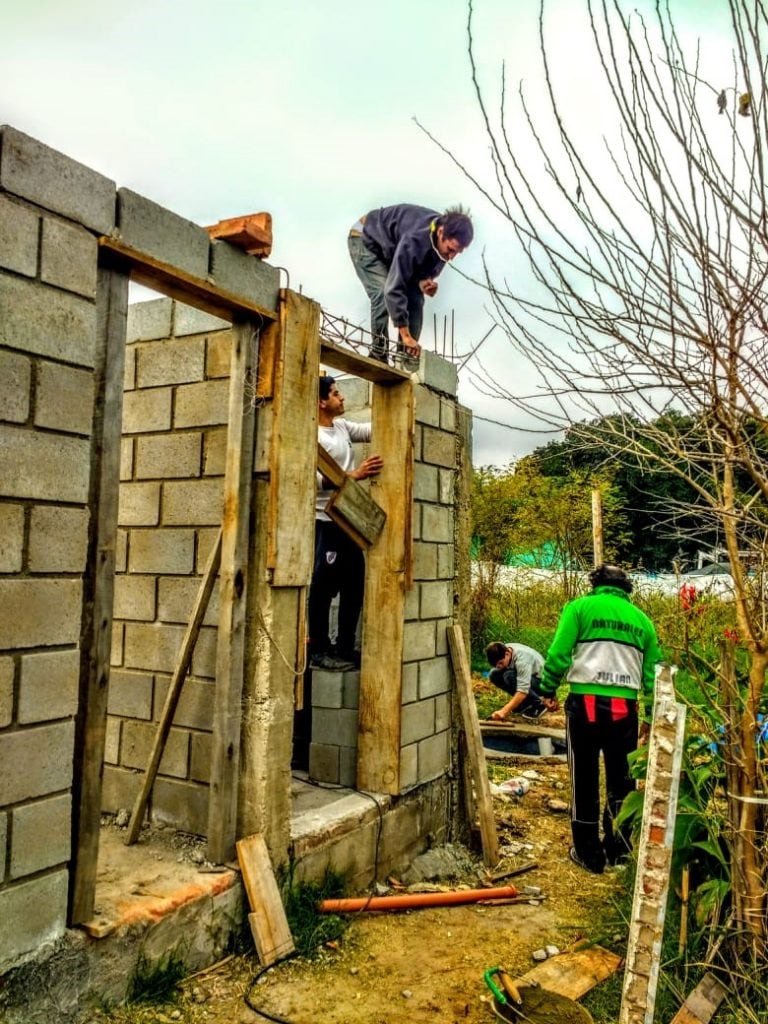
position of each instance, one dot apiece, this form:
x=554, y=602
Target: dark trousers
x=614, y=739
x=339, y=569
x=373, y=276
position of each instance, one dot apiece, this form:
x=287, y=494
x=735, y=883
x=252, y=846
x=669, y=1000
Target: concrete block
x=437, y=522
x=118, y=639
x=135, y=598
x=418, y=641
x=46, y=612
x=425, y=482
x=442, y=712
x=436, y=599
x=145, y=412
x=351, y=690
x=40, y=835
x=438, y=447
x=159, y=232
x=435, y=677
x=46, y=321
x=418, y=721
x=55, y=181
x=416, y=520
x=202, y=405
x=137, y=741
x=434, y=756
x=119, y=789
x=204, y=658
x=335, y=727
x=19, y=234
x=149, y=320
x=324, y=762
x=327, y=689
x=32, y=913
x=48, y=686
x=409, y=766
x=165, y=456
x=64, y=398
x=152, y=647
x=188, y=320
x=69, y=258
x=112, y=741
x=446, y=561
x=129, y=368
x=7, y=672
x=214, y=451
x=235, y=271
x=11, y=537
x=410, y=689
x=181, y=804
x=138, y=504
x=172, y=361
x=58, y=539
x=3, y=838
x=357, y=395
x=218, y=354
x=448, y=415
x=441, y=640
x=348, y=766
x=438, y=374
x=411, y=607
x=193, y=502
x=424, y=561
x=176, y=598
x=35, y=762
x=200, y=756
x=195, y=707
x=162, y=551
x=15, y=384
x=427, y=406
x=447, y=486
x=130, y=694
x=126, y=458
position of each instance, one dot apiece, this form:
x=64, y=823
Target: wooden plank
x=381, y=676
x=358, y=365
x=573, y=973
x=238, y=474
x=528, y=732
x=269, y=925
x=252, y=233
x=702, y=1003
x=98, y=592
x=183, y=661
x=353, y=509
x=476, y=755
x=179, y=284
x=293, y=484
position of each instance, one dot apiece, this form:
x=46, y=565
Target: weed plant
x=155, y=981
x=310, y=929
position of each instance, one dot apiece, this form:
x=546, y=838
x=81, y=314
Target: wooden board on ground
x=575, y=972
x=475, y=751
x=524, y=731
x=269, y=925
x=702, y=1003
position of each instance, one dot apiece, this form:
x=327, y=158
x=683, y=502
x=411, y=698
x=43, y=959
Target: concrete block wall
x=51, y=211
x=427, y=673
x=170, y=508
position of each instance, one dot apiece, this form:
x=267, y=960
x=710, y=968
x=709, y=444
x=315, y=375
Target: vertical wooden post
x=597, y=527
x=238, y=474
x=654, y=856
x=386, y=580
x=98, y=592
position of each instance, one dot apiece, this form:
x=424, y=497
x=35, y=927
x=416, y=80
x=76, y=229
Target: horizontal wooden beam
x=177, y=283
x=360, y=366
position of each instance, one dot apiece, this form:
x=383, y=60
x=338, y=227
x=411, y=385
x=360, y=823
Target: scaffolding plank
x=574, y=972
x=269, y=925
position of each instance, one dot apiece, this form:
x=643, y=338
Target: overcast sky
x=304, y=108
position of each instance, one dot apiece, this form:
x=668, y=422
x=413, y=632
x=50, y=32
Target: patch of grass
x=311, y=930
x=155, y=981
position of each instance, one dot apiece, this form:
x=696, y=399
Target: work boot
x=595, y=867
x=327, y=662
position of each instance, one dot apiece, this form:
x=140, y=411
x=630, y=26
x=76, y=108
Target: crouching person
x=516, y=669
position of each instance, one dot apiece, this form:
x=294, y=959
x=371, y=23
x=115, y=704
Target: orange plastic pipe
x=411, y=900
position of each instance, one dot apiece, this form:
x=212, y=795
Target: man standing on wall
x=339, y=567
x=398, y=252
x=607, y=650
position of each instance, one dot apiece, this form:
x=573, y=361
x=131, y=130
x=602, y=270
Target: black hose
x=255, y=981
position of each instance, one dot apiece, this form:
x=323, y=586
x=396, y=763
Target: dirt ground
x=421, y=965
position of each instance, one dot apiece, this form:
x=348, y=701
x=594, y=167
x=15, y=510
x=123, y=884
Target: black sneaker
x=534, y=711
x=327, y=662
x=347, y=655
x=595, y=869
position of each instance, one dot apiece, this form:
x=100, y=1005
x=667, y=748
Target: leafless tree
x=649, y=255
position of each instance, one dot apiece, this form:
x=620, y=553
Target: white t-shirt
x=337, y=441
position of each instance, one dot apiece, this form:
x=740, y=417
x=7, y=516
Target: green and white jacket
x=605, y=646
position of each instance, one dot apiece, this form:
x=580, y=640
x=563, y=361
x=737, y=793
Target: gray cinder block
x=236, y=271
x=159, y=232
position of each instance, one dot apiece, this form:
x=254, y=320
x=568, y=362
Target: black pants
x=615, y=739
x=339, y=569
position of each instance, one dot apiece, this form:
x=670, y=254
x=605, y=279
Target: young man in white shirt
x=339, y=566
